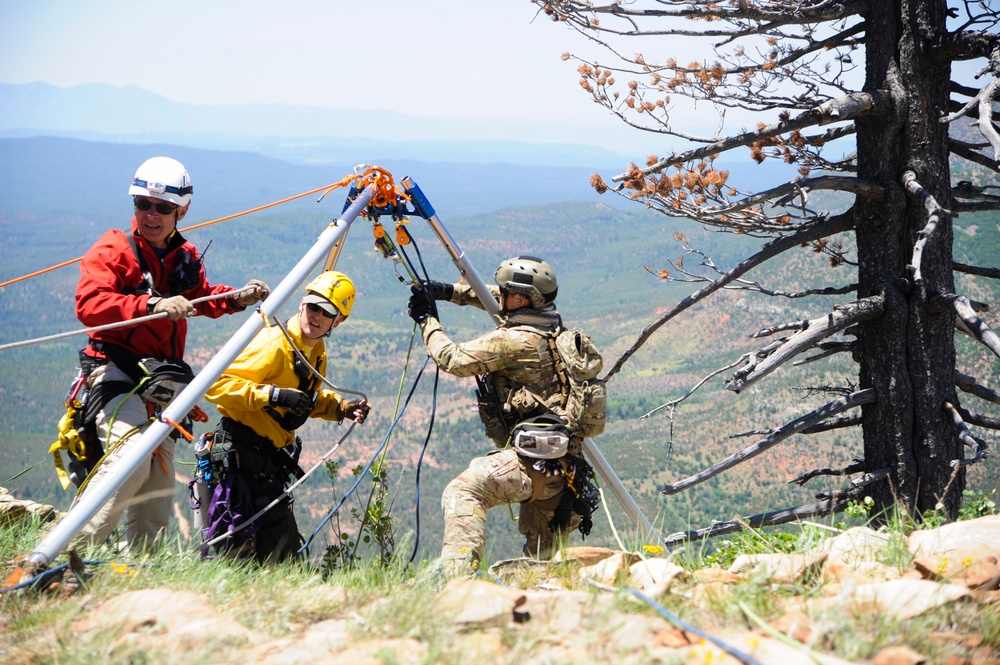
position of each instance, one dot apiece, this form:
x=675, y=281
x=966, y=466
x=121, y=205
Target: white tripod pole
x=98, y=494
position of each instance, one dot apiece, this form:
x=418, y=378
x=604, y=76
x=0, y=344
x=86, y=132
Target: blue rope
x=361, y=476
x=688, y=628
x=420, y=462
x=49, y=572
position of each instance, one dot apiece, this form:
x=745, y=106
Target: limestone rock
x=855, y=546
x=475, y=604
x=780, y=568
x=653, y=575
x=966, y=552
x=13, y=509
x=607, y=571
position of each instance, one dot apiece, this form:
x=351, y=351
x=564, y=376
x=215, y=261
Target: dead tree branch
x=825, y=426
x=968, y=384
x=801, y=187
x=936, y=215
x=966, y=151
x=673, y=403
x=836, y=110
x=841, y=317
x=767, y=332
x=785, y=431
x=828, y=349
x=978, y=446
x=986, y=125
x=857, y=485
x=857, y=467
x=833, y=423
x=972, y=324
x=828, y=505
x=822, y=228
x=772, y=518
x=993, y=273
x=748, y=285
x=979, y=420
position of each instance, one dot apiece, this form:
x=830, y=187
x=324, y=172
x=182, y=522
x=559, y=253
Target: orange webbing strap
x=325, y=189
x=186, y=434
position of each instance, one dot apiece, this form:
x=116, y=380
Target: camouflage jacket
x=515, y=357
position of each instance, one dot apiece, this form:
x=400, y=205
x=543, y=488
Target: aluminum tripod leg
x=646, y=531
x=97, y=495
x=423, y=206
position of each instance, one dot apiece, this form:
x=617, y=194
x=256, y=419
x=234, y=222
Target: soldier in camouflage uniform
x=517, y=378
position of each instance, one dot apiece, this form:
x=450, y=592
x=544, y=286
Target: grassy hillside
x=600, y=253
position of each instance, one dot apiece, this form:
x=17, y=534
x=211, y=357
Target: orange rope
x=328, y=188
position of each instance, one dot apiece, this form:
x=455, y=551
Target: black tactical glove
x=440, y=290
x=297, y=402
x=420, y=306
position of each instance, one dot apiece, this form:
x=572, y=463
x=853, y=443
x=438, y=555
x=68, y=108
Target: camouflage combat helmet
x=529, y=276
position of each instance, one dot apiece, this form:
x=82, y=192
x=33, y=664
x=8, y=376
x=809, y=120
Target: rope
x=253, y=518
x=236, y=529
x=328, y=188
x=611, y=522
x=420, y=462
x=361, y=475
x=50, y=572
x=110, y=326
x=744, y=658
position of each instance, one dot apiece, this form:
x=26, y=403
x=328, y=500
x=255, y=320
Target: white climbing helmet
x=162, y=178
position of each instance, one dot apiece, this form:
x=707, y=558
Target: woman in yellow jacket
x=265, y=395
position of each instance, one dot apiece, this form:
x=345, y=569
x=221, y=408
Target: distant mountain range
x=102, y=112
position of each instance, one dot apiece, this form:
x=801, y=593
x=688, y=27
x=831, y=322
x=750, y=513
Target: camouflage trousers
x=502, y=477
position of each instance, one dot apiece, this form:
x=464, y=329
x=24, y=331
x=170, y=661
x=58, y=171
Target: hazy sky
x=455, y=59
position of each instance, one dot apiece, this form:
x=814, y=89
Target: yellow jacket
x=243, y=390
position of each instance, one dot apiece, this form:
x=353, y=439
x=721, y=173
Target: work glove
x=253, y=292
x=175, y=307
x=297, y=402
x=420, y=306
x=357, y=410
x=440, y=290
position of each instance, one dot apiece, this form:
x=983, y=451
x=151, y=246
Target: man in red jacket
x=127, y=275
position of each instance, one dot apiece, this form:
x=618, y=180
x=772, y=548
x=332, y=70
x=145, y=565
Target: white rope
x=251, y=520
x=322, y=460
x=111, y=326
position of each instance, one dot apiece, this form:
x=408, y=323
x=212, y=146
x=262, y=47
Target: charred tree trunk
x=908, y=356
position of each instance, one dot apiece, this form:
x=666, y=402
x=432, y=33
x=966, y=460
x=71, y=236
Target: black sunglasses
x=313, y=307
x=143, y=205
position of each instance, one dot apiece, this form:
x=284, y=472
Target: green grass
x=399, y=602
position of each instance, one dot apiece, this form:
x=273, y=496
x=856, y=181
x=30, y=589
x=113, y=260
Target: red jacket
x=109, y=276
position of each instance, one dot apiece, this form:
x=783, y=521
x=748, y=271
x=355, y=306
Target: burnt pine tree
x=879, y=75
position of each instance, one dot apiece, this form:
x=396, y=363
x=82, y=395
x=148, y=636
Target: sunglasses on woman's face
x=316, y=309
x=163, y=208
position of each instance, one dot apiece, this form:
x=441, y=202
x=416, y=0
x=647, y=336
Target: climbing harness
x=138, y=453
x=215, y=458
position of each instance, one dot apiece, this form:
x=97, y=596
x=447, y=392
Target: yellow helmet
x=336, y=288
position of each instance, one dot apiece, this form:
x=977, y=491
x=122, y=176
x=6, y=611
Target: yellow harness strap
x=70, y=441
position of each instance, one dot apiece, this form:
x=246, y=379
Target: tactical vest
x=505, y=398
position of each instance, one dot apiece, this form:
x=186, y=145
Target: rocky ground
x=592, y=605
